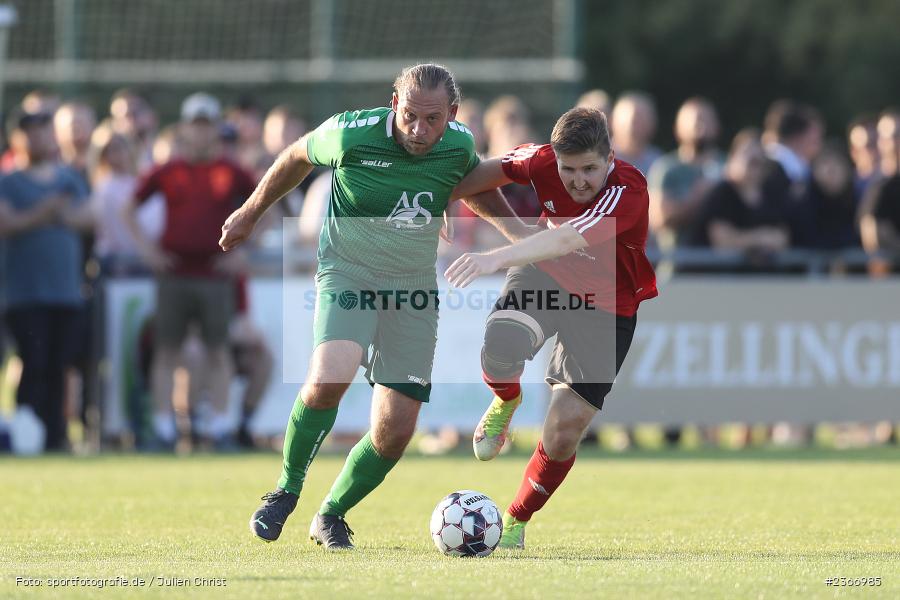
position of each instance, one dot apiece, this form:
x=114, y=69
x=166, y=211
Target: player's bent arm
x=545, y=245
x=486, y=176
x=291, y=167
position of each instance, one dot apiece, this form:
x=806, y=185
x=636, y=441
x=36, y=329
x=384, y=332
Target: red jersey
x=621, y=271
x=199, y=197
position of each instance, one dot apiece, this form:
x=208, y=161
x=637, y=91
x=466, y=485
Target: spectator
x=34, y=102
x=281, y=128
x=596, y=98
x=680, y=180
x=862, y=140
x=112, y=168
x=195, y=281
x=889, y=142
x=42, y=212
x=228, y=138
x=507, y=123
x=633, y=127
x=880, y=210
x=880, y=224
x=793, y=138
x=832, y=202
x=247, y=119
x=134, y=118
x=74, y=122
x=737, y=214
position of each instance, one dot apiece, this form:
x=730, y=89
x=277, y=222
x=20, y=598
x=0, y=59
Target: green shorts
x=395, y=324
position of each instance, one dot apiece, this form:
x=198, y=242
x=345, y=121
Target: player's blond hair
x=428, y=76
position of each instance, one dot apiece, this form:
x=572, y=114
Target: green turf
x=656, y=527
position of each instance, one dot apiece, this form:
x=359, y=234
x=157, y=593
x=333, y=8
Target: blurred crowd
x=86, y=196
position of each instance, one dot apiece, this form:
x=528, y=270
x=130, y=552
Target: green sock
x=305, y=431
x=364, y=470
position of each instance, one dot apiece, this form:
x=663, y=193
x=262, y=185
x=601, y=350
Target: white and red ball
x=466, y=523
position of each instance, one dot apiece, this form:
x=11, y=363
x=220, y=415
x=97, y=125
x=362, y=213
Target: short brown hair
x=581, y=130
x=428, y=77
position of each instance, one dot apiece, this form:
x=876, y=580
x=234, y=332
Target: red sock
x=505, y=390
x=542, y=477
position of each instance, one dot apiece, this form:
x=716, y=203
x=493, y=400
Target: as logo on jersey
x=549, y=205
x=409, y=214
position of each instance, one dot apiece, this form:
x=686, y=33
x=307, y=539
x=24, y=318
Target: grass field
x=719, y=525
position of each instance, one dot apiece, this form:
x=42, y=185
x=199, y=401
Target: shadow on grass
x=688, y=556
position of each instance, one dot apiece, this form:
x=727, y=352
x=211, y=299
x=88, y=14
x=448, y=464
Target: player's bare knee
x=322, y=395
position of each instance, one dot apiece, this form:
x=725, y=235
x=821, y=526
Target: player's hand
x=470, y=266
x=236, y=229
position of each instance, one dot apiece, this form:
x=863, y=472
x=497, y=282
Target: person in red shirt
x=581, y=279
x=195, y=283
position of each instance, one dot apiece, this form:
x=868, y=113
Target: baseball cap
x=200, y=106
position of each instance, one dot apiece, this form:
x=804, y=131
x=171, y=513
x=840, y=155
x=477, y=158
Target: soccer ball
x=466, y=523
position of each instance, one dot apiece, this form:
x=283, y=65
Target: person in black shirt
x=880, y=223
x=831, y=203
x=880, y=209
x=737, y=214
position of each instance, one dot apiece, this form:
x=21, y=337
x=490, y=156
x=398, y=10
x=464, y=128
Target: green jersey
x=387, y=205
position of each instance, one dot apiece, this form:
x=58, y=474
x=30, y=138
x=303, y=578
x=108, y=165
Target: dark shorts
x=181, y=301
x=396, y=325
x=590, y=345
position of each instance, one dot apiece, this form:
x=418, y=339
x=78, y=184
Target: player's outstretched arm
x=545, y=245
x=291, y=167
